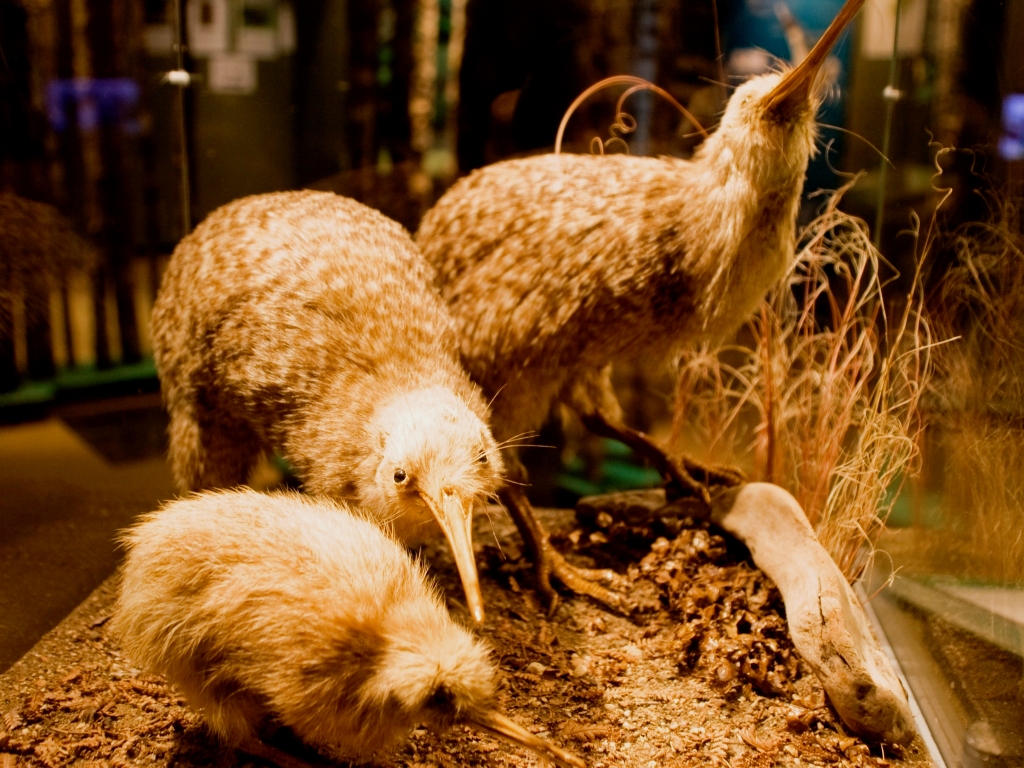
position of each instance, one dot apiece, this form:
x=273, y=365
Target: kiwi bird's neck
x=740, y=232
x=754, y=166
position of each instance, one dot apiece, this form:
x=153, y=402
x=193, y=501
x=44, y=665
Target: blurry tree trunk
x=8, y=365
x=38, y=335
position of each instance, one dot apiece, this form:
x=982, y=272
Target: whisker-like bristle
x=490, y=523
x=712, y=81
x=691, y=134
x=522, y=437
x=859, y=137
x=494, y=396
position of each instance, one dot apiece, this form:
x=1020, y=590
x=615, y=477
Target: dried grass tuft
x=821, y=394
x=975, y=403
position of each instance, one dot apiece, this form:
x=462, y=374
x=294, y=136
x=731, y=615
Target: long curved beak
x=498, y=725
x=456, y=520
x=795, y=87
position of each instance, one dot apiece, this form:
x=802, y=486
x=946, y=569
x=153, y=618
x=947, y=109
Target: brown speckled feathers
x=556, y=265
x=292, y=320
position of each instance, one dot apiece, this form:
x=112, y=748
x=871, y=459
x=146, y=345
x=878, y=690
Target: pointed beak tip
x=498, y=725
x=474, y=597
x=460, y=539
x=799, y=82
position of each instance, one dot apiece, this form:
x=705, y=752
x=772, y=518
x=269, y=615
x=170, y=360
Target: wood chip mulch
x=704, y=673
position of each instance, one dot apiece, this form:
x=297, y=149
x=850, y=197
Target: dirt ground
x=703, y=673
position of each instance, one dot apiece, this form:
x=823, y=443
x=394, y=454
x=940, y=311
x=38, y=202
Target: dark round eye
x=483, y=458
x=400, y=476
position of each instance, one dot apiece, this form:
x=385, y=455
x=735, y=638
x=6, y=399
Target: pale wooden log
x=826, y=621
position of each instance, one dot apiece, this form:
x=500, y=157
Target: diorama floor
x=67, y=485
x=703, y=674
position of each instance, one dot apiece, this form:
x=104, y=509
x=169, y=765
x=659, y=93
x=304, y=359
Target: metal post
x=891, y=95
x=180, y=78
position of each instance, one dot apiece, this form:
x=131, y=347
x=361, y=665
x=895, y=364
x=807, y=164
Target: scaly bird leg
x=682, y=470
x=258, y=748
x=548, y=562
x=592, y=396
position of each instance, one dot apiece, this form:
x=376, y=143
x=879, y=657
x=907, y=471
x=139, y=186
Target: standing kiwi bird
x=554, y=266
x=306, y=322
x=273, y=610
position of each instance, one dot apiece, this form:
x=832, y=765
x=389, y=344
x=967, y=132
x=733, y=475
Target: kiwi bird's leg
x=208, y=450
x=594, y=400
x=548, y=562
x=260, y=749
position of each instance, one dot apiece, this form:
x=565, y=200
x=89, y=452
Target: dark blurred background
x=105, y=161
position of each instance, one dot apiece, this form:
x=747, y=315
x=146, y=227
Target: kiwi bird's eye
x=400, y=476
x=483, y=458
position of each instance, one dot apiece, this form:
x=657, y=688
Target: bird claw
x=682, y=481
x=718, y=474
x=585, y=581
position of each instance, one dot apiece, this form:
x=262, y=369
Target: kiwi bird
x=279, y=611
x=306, y=322
x=554, y=266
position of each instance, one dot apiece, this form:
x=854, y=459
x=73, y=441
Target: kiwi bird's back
x=272, y=294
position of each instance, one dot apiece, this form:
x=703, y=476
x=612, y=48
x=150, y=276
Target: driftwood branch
x=826, y=622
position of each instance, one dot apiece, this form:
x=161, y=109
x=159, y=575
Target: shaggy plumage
x=554, y=266
x=306, y=322
x=278, y=610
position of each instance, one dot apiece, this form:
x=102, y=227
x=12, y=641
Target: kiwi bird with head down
x=274, y=610
x=554, y=266
x=306, y=322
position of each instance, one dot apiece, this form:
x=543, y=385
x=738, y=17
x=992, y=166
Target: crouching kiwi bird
x=306, y=322
x=554, y=266
x=274, y=610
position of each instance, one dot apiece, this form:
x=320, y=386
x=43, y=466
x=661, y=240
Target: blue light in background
x=1011, y=143
x=97, y=101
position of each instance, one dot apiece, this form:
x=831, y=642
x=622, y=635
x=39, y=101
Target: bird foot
x=683, y=473
x=717, y=474
x=583, y=581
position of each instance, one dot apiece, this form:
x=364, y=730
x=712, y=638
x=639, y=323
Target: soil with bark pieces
x=704, y=672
